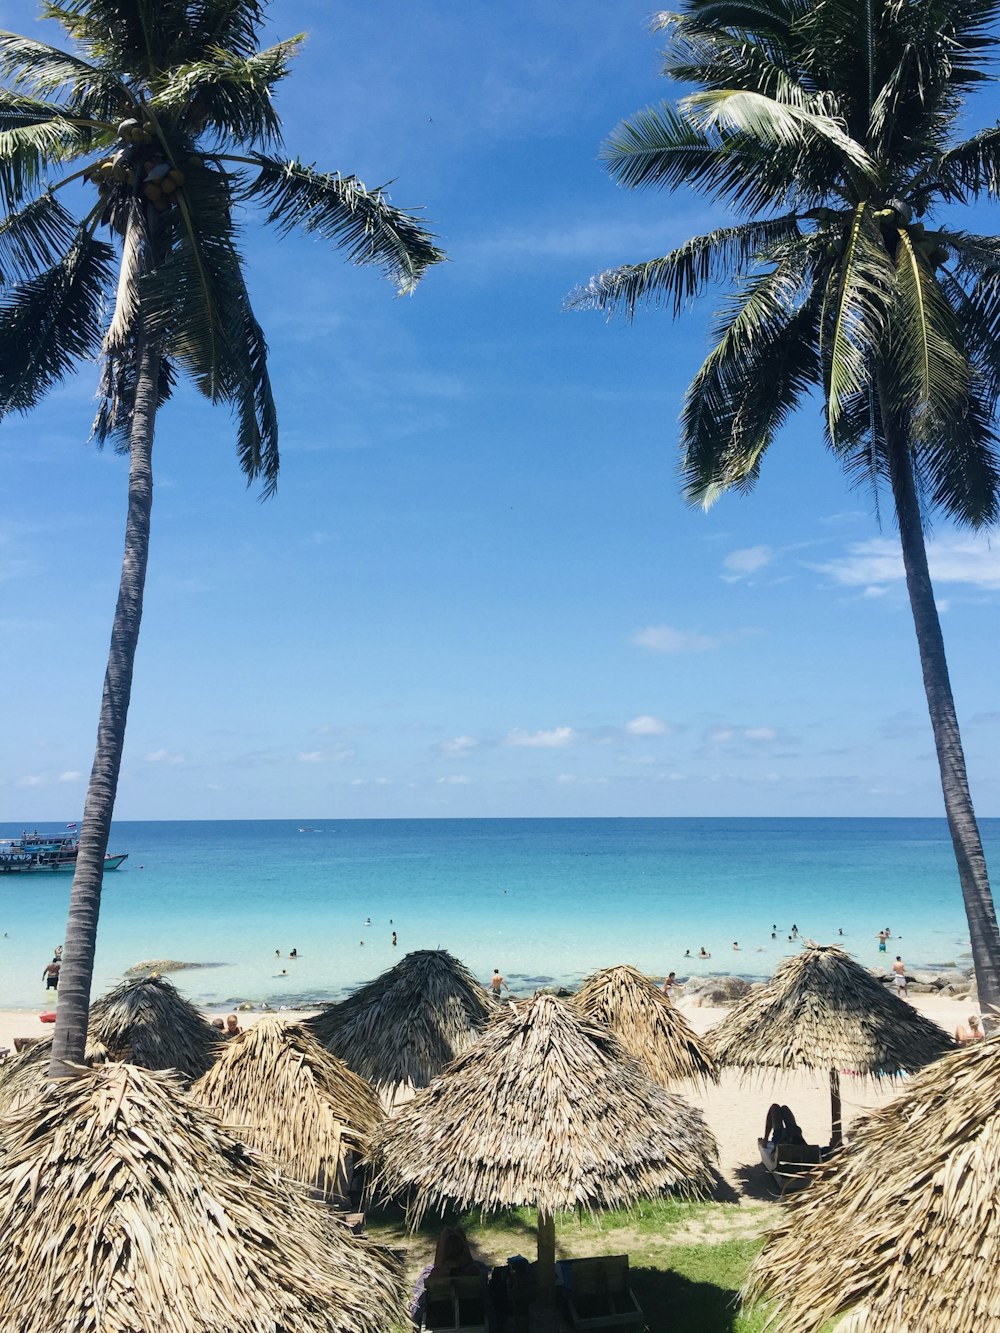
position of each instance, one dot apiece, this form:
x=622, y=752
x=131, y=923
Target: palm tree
x=827, y=126
x=162, y=124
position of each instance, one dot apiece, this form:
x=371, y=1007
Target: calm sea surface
x=545, y=900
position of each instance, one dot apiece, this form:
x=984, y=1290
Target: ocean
x=544, y=900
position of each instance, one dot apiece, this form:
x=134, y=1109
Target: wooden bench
x=455, y=1305
x=789, y=1164
x=596, y=1293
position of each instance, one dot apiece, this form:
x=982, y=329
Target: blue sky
x=477, y=591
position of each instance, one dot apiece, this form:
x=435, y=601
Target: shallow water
x=545, y=900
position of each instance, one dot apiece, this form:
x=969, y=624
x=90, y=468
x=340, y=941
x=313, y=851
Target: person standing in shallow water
x=497, y=983
x=50, y=975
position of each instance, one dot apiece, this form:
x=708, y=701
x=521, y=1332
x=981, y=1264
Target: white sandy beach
x=734, y=1110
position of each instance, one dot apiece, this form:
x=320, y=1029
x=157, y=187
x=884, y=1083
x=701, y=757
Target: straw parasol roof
x=125, y=1206
x=408, y=1023
x=149, y=1023
x=655, y=1034
x=277, y=1088
x=903, y=1230
x=822, y=1010
x=547, y=1111
x=21, y=1077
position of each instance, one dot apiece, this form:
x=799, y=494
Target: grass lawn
x=687, y=1260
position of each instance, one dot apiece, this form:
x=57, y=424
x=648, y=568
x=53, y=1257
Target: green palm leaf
x=44, y=70
x=343, y=210
x=855, y=317
x=931, y=372
x=229, y=93
x=52, y=322
x=34, y=237
x=678, y=277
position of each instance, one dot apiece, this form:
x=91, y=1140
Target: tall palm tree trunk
x=69, y=1044
x=972, y=873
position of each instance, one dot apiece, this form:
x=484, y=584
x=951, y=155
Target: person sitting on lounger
x=452, y=1258
x=781, y=1127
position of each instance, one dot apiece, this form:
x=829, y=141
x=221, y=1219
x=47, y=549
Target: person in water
x=497, y=983
x=50, y=974
x=294, y=953
x=703, y=952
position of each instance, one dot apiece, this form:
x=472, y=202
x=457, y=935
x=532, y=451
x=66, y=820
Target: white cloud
x=664, y=639
x=953, y=559
x=454, y=780
x=458, y=746
x=748, y=560
x=31, y=780
x=574, y=780
x=72, y=775
x=556, y=739
x=163, y=757
x=760, y=733
x=310, y=757
x=645, y=725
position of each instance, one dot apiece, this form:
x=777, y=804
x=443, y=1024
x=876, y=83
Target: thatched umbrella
x=903, y=1231
x=547, y=1111
x=405, y=1026
x=822, y=1010
x=149, y=1023
x=655, y=1034
x=277, y=1088
x=21, y=1078
x=125, y=1206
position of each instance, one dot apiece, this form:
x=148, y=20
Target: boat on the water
x=38, y=853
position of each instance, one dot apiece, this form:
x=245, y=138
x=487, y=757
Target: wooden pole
x=837, y=1133
x=546, y=1257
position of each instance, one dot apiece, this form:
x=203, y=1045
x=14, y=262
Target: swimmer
x=393, y=939
x=736, y=944
x=294, y=953
x=703, y=952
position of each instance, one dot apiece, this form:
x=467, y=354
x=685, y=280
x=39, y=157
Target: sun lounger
x=455, y=1305
x=597, y=1295
x=789, y=1164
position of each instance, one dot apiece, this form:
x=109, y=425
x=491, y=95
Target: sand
x=735, y=1111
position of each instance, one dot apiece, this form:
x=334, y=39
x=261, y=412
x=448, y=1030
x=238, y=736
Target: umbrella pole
x=837, y=1133
x=546, y=1272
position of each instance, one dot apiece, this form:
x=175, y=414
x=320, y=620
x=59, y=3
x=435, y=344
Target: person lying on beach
x=973, y=1032
x=452, y=1258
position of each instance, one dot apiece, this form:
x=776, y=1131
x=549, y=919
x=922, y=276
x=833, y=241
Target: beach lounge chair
x=597, y=1295
x=455, y=1305
x=789, y=1164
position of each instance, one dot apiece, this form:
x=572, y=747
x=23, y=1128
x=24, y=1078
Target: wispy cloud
x=646, y=725
x=665, y=639
x=71, y=775
x=874, y=564
x=163, y=757
x=310, y=757
x=457, y=746
x=575, y=780
x=454, y=780
x=31, y=780
x=556, y=739
x=746, y=561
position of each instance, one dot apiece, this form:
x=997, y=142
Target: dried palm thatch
x=822, y=1010
x=546, y=1110
x=147, y=1022
x=655, y=1034
x=407, y=1024
x=21, y=1077
x=278, y=1089
x=125, y=1207
x=903, y=1231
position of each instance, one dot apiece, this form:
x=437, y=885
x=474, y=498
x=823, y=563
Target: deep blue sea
x=544, y=900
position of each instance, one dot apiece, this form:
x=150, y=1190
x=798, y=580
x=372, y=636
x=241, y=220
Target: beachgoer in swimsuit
x=233, y=1028
x=703, y=952
x=882, y=937
x=393, y=939
x=973, y=1032
x=497, y=982
x=899, y=975
x=51, y=975
x=294, y=953
x=670, y=983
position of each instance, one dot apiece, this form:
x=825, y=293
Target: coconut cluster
x=135, y=169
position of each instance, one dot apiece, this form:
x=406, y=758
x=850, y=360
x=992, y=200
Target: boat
x=35, y=853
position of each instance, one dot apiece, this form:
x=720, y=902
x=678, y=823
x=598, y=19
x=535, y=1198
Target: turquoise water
x=545, y=900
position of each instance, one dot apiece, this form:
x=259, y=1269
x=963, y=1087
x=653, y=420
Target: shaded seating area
x=596, y=1293
x=790, y=1164
x=455, y=1305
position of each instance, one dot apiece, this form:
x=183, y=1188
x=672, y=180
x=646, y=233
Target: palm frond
x=134, y=258
x=147, y=37
x=751, y=381
x=247, y=386
x=859, y=293
x=775, y=124
x=229, y=95
x=51, y=322
x=342, y=210
x=968, y=169
x=679, y=277
x=958, y=470
x=931, y=371
x=45, y=70
x=33, y=137
x=34, y=237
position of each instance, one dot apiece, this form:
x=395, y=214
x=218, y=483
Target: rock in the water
x=162, y=965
